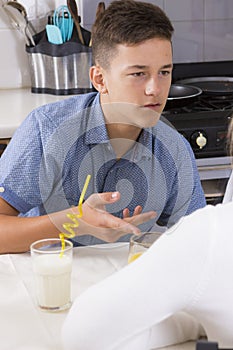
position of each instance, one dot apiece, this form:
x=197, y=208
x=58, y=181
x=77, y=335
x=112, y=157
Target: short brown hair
x=127, y=22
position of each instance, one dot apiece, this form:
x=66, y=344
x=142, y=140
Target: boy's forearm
x=17, y=233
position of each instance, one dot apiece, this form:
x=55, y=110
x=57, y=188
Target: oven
x=204, y=121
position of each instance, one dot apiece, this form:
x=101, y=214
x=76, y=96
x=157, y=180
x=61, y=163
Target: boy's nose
x=152, y=87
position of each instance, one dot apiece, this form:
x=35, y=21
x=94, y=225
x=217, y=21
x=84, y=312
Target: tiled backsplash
x=203, y=28
x=203, y=32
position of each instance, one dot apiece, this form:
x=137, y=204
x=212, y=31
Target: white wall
x=203, y=32
x=203, y=28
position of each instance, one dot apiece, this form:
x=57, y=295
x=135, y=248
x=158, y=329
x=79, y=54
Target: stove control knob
x=199, y=139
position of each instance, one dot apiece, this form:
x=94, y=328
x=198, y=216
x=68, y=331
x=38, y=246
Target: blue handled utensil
x=54, y=34
x=63, y=20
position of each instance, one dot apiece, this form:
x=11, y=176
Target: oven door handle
x=215, y=167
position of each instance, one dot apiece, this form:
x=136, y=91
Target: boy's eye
x=138, y=74
x=165, y=72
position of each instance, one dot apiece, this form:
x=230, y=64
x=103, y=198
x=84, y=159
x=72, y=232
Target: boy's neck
x=122, y=131
x=122, y=137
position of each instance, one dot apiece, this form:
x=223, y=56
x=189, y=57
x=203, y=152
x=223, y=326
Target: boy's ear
x=97, y=79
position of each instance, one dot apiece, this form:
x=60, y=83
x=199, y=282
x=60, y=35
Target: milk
x=53, y=280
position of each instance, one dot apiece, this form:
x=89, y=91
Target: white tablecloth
x=22, y=325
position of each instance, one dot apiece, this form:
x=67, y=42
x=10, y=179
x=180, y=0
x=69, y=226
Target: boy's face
x=137, y=83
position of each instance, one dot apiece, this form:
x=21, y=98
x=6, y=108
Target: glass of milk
x=52, y=270
x=139, y=244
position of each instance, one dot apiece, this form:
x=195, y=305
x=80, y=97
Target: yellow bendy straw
x=68, y=226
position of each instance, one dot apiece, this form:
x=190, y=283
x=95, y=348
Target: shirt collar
x=96, y=131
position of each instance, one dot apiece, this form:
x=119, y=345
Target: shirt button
x=2, y=189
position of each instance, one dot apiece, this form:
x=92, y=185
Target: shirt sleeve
x=160, y=283
x=19, y=166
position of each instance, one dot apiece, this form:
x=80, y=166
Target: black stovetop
x=205, y=103
x=209, y=115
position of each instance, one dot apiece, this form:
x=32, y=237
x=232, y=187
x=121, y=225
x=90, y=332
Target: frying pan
x=211, y=85
x=181, y=95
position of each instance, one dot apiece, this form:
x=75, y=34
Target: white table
x=22, y=325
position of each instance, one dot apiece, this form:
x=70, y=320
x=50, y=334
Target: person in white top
x=186, y=275
x=189, y=268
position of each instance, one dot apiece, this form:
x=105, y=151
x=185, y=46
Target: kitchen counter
x=16, y=104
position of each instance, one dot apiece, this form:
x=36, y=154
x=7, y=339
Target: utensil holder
x=59, y=69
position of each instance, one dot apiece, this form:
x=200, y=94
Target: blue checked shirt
x=46, y=163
